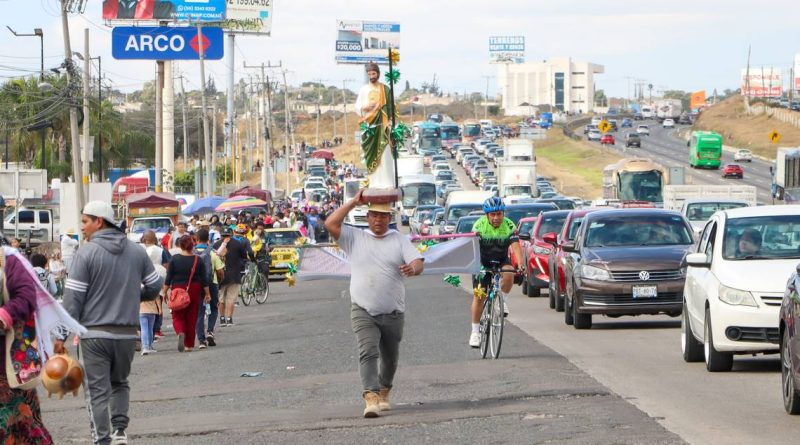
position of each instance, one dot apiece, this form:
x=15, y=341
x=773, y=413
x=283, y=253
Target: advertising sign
x=763, y=81
x=697, y=100
x=507, y=49
x=248, y=17
x=181, y=10
x=165, y=43
x=796, y=80
x=360, y=42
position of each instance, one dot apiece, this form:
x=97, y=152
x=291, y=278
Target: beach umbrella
x=203, y=205
x=240, y=202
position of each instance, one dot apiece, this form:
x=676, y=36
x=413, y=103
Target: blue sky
x=689, y=45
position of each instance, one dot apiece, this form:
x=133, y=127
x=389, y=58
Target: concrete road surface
x=309, y=392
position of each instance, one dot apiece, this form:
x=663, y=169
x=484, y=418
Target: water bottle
x=208, y=309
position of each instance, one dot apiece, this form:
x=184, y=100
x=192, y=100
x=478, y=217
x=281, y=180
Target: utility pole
x=486, y=104
x=159, y=124
x=344, y=103
x=37, y=32
x=73, y=117
x=319, y=99
x=100, y=118
x=267, y=181
x=185, y=129
x=287, y=117
x=168, y=127
x=87, y=72
x=209, y=187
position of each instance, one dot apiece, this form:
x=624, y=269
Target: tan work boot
x=383, y=400
x=372, y=409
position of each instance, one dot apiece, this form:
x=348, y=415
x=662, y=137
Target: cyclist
x=496, y=235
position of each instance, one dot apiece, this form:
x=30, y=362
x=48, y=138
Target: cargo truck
x=516, y=179
x=519, y=150
x=151, y=211
x=786, y=175
x=668, y=109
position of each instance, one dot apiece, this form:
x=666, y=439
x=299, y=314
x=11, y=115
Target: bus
x=451, y=134
x=471, y=131
x=428, y=138
x=705, y=149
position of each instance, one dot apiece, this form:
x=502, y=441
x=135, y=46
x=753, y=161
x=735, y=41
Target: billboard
x=182, y=10
x=763, y=81
x=697, y=100
x=359, y=42
x=507, y=49
x=248, y=17
x=796, y=80
x=165, y=43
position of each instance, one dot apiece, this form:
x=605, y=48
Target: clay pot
x=62, y=374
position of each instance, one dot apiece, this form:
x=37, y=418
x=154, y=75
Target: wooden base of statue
x=381, y=195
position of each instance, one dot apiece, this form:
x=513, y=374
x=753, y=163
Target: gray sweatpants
x=107, y=364
x=378, y=339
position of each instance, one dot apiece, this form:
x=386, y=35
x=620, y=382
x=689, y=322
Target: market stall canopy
x=240, y=202
x=152, y=199
x=254, y=192
x=203, y=205
x=323, y=154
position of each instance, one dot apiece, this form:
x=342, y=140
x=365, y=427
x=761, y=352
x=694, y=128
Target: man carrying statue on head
x=374, y=104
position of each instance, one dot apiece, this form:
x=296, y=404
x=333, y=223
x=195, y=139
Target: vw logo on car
x=644, y=275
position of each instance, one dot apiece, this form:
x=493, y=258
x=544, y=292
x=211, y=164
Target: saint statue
x=374, y=106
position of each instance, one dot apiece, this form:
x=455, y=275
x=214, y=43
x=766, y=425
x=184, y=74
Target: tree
x=408, y=85
x=680, y=95
x=600, y=99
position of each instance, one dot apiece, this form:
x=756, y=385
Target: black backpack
x=205, y=257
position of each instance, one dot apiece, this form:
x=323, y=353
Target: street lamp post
x=99, y=112
x=37, y=32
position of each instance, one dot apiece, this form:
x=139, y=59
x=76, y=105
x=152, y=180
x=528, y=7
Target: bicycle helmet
x=493, y=204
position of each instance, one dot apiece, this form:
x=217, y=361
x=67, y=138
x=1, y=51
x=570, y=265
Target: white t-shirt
x=375, y=280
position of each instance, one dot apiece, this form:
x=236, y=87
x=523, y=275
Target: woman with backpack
x=186, y=273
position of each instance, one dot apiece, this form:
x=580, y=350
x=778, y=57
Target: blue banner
x=165, y=43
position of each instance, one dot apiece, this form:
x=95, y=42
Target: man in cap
x=109, y=277
x=380, y=258
x=235, y=254
x=373, y=105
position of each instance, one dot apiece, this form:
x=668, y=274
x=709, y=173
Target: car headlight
x=541, y=250
x=736, y=297
x=595, y=273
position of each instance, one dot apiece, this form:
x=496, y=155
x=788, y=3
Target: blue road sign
x=165, y=43
x=181, y=10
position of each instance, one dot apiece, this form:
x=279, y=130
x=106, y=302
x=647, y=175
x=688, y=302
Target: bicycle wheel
x=497, y=321
x=245, y=291
x=262, y=289
x=484, y=327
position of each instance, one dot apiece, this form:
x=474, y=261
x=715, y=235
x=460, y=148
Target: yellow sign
x=775, y=137
x=604, y=126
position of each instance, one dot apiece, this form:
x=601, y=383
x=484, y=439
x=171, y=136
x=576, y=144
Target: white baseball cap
x=100, y=209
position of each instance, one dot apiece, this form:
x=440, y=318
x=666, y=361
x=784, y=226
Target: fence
x=782, y=114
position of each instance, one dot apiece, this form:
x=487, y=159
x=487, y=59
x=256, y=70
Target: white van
x=461, y=203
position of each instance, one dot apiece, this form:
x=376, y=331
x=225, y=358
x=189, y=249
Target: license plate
x=281, y=265
x=645, y=291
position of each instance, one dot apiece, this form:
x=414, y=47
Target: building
x=560, y=82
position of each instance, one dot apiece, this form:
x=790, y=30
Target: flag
x=457, y=256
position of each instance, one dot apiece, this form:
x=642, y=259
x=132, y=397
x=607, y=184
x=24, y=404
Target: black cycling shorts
x=486, y=281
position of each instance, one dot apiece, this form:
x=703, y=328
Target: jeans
x=213, y=289
x=146, y=322
x=157, y=323
x=107, y=364
x=378, y=338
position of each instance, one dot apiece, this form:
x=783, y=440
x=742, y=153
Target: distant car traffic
x=733, y=170
x=743, y=156
x=643, y=130
x=668, y=123
x=626, y=123
x=633, y=140
x=594, y=135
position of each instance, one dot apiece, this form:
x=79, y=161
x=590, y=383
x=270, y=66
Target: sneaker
x=230, y=321
x=159, y=334
x=223, y=322
x=118, y=437
x=475, y=340
x=210, y=339
x=181, y=347
x=145, y=352
x=371, y=399
x=505, y=309
x=383, y=400
x=202, y=345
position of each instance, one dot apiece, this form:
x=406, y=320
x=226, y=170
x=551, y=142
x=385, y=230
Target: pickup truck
x=34, y=226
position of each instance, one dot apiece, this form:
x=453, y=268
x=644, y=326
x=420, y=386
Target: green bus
x=705, y=149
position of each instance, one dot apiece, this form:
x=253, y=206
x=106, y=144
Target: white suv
x=668, y=123
x=735, y=282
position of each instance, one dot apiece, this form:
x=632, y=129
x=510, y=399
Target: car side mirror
x=550, y=238
x=698, y=260
x=427, y=222
x=525, y=236
x=569, y=246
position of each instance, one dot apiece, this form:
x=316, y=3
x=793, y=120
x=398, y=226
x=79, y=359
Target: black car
x=633, y=140
x=515, y=212
x=638, y=117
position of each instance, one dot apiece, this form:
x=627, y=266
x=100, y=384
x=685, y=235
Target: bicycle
x=493, y=316
x=254, y=284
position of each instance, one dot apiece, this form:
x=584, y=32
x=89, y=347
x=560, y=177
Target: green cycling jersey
x=487, y=231
x=494, y=241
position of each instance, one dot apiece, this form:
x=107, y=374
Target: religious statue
x=374, y=104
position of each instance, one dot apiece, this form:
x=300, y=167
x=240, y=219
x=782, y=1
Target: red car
x=557, y=287
x=607, y=139
x=525, y=226
x=537, y=273
x=734, y=170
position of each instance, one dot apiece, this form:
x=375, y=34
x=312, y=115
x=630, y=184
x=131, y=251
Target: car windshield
x=457, y=212
x=418, y=194
x=642, y=230
x=526, y=226
x=516, y=214
x=702, y=211
x=465, y=224
x=762, y=237
x=159, y=225
x=551, y=222
x=283, y=238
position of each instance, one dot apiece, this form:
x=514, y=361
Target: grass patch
x=574, y=167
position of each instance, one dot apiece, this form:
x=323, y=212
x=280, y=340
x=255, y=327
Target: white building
x=559, y=82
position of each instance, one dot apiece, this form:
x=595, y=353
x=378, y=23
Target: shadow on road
x=643, y=324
